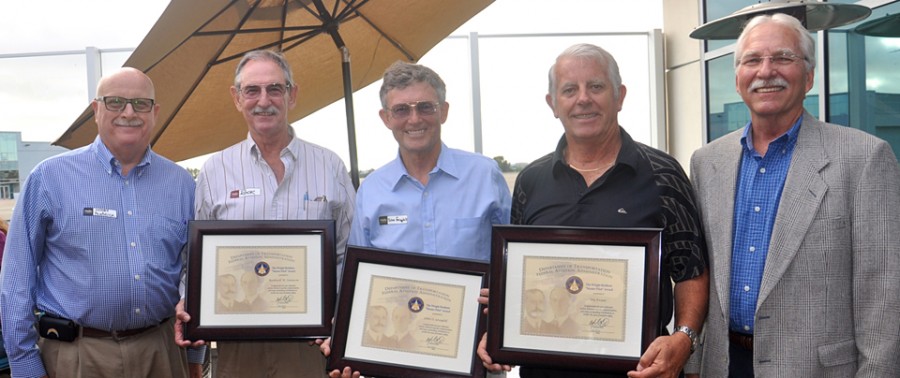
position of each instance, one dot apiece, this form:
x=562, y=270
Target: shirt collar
x=109, y=162
x=292, y=150
x=397, y=172
x=788, y=137
x=628, y=154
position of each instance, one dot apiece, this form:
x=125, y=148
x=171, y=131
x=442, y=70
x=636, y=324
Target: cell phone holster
x=50, y=327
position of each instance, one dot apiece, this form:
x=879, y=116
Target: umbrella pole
x=351, y=123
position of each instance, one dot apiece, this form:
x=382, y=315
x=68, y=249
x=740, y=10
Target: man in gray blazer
x=802, y=220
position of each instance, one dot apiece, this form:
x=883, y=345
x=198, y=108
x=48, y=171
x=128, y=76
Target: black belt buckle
x=54, y=328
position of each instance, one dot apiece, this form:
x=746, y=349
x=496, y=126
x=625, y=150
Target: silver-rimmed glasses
x=780, y=59
x=274, y=90
x=424, y=108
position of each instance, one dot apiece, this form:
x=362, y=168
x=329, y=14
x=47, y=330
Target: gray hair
x=402, y=74
x=592, y=52
x=265, y=55
x=807, y=44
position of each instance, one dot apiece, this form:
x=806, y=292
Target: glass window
x=716, y=9
x=864, y=92
x=727, y=111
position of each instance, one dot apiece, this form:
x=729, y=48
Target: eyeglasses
x=274, y=90
x=424, y=108
x=117, y=104
x=781, y=59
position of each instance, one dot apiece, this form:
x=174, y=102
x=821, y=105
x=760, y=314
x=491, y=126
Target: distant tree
x=194, y=172
x=364, y=173
x=503, y=164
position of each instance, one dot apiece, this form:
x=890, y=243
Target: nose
x=583, y=96
x=767, y=68
x=128, y=110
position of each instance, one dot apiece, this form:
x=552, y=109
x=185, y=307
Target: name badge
x=245, y=192
x=95, y=212
x=393, y=219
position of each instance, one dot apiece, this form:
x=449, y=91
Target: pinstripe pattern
x=114, y=267
x=311, y=172
x=828, y=304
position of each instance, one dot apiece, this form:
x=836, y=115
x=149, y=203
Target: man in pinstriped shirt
x=272, y=175
x=96, y=240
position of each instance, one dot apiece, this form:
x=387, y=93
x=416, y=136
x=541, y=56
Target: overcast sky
x=42, y=96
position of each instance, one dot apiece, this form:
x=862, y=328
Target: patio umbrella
x=193, y=49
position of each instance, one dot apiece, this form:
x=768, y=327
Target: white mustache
x=136, y=122
x=260, y=109
x=775, y=82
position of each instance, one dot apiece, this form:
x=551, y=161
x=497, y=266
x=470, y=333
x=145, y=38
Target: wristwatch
x=690, y=334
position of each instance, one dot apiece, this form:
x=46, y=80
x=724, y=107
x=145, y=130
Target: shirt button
x=752, y=249
x=137, y=276
x=746, y=328
x=126, y=182
x=762, y=170
x=133, y=244
x=137, y=311
x=428, y=225
x=746, y=288
x=756, y=209
x=129, y=212
x=424, y=194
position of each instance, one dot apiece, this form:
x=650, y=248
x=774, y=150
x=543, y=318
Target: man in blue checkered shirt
x=95, y=246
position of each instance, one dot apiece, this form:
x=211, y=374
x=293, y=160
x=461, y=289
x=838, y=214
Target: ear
x=95, y=105
x=549, y=100
x=810, y=76
x=236, y=97
x=293, y=102
x=622, y=92
x=384, y=117
x=445, y=109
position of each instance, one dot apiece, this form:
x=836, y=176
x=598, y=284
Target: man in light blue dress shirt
x=96, y=240
x=431, y=199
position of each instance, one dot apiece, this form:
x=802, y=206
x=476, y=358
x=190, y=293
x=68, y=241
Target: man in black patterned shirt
x=599, y=177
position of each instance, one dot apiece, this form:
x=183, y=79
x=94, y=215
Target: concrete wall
x=683, y=79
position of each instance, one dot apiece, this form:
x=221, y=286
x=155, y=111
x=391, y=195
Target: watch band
x=690, y=334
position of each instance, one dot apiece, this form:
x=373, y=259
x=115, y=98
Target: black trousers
x=741, y=365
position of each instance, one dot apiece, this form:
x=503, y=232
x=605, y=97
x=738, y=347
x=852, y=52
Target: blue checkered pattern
x=760, y=182
x=93, y=246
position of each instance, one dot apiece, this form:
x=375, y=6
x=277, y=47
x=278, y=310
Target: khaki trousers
x=152, y=353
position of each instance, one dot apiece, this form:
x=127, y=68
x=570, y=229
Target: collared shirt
x=760, y=182
x=238, y=184
x=93, y=246
x=451, y=216
x=644, y=188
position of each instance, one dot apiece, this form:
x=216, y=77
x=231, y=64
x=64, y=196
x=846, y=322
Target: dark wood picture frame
x=317, y=237
x=432, y=271
x=551, y=239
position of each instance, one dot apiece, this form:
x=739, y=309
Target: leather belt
x=116, y=335
x=740, y=339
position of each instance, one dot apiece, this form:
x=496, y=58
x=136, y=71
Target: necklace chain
x=592, y=169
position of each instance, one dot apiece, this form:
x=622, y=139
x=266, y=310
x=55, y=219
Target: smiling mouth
x=415, y=132
x=769, y=89
x=585, y=116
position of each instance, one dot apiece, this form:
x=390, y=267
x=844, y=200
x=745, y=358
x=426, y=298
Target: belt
x=740, y=339
x=116, y=335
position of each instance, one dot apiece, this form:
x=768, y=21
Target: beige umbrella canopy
x=192, y=51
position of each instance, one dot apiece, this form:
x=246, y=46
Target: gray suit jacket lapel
x=803, y=192
x=723, y=171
